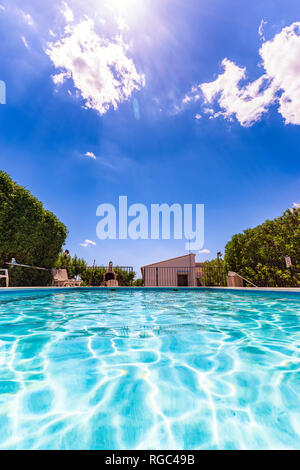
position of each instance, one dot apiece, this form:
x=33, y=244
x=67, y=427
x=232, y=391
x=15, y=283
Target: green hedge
x=28, y=233
x=258, y=254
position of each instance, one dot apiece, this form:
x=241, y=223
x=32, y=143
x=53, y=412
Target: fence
x=272, y=274
x=93, y=275
x=209, y=276
x=178, y=276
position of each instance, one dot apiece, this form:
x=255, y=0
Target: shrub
x=28, y=233
x=212, y=273
x=258, y=254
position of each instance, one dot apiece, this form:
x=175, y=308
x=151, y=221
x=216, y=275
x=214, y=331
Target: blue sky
x=174, y=122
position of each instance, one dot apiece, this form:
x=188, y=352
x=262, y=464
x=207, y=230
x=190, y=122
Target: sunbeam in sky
x=126, y=7
x=126, y=12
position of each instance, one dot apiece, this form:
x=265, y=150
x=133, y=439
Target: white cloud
x=88, y=243
x=209, y=111
x=112, y=160
x=100, y=68
x=281, y=58
x=67, y=12
x=59, y=78
x=24, y=40
x=122, y=25
x=261, y=29
x=187, y=99
x=205, y=250
x=198, y=116
x=247, y=103
x=26, y=17
x=296, y=205
x=2, y=8
x=90, y=155
x=279, y=85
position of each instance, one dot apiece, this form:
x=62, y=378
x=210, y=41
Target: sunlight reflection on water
x=161, y=370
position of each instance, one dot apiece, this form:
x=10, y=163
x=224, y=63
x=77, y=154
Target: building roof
x=170, y=259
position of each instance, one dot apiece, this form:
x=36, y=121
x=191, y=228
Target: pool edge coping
x=162, y=288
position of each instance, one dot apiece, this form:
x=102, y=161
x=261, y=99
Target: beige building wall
x=167, y=273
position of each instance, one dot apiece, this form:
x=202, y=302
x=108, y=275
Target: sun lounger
x=5, y=275
x=60, y=279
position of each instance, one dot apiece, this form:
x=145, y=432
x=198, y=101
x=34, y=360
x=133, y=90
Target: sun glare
x=124, y=8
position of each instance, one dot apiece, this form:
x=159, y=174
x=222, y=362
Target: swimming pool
x=138, y=369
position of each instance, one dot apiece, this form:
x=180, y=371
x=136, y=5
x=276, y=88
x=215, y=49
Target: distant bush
x=28, y=233
x=212, y=273
x=125, y=278
x=93, y=276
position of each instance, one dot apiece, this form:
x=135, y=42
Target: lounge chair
x=60, y=279
x=5, y=275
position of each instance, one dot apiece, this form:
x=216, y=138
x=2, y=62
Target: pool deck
x=120, y=288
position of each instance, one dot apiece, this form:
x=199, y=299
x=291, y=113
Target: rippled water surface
x=150, y=370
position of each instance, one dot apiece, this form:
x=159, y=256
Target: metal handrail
x=247, y=280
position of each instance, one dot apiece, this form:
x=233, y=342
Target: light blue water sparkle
x=141, y=369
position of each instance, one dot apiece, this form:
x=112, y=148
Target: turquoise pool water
x=140, y=369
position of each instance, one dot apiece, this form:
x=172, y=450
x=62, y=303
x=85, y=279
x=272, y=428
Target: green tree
x=258, y=254
x=28, y=233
